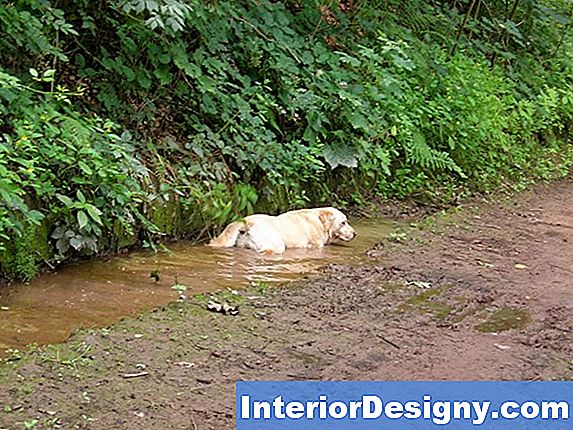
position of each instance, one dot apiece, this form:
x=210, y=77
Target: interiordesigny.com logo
x=373, y=407
x=403, y=405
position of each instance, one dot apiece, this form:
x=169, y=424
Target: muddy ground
x=485, y=292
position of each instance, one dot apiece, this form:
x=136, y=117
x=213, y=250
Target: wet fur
x=304, y=228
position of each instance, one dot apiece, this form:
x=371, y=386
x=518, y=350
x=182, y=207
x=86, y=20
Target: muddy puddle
x=99, y=293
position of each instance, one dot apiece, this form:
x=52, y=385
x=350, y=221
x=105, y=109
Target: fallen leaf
x=223, y=308
x=485, y=264
x=420, y=284
x=214, y=306
x=520, y=266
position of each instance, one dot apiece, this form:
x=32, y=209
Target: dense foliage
x=128, y=121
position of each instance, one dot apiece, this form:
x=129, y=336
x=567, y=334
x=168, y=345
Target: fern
x=418, y=152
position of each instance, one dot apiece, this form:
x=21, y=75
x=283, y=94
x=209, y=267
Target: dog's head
x=335, y=224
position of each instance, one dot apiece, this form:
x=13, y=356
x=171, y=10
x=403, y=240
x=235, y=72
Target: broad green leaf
x=76, y=243
x=94, y=213
x=85, y=168
x=338, y=154
x=82, y=219
x=65, y=200
x=35, y=216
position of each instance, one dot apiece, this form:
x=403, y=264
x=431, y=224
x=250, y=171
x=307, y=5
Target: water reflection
x=100, y=293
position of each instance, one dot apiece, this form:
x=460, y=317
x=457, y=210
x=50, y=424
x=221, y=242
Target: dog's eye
x=343, y=223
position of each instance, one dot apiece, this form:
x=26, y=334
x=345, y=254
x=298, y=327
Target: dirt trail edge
x=486, y=293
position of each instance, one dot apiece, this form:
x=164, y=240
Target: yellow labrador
x=303, y=228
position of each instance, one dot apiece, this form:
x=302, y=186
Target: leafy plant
x=221, y=109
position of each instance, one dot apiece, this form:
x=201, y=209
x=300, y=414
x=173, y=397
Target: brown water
x=99, y=293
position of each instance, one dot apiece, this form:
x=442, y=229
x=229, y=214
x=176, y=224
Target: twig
x=382, y=338
x=55, y=61
x=194, y=425
x=476, y=17
x=552, y=224
x=46, y=261
x=461, y=29
x=497, y=227
x=135, y=375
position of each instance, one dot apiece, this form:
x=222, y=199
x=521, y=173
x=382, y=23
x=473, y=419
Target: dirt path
x=486, y=293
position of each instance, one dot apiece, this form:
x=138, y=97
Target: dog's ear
x=326, y=218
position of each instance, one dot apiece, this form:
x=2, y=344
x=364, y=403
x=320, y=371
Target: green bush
x=139, y=121
x=65, y=171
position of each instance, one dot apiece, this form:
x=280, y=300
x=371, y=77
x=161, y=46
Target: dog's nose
x=354, y=234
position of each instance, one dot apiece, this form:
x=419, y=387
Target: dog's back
x=228, y=237
x=303, y=228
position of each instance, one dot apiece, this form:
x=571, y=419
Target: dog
x=303, y=228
